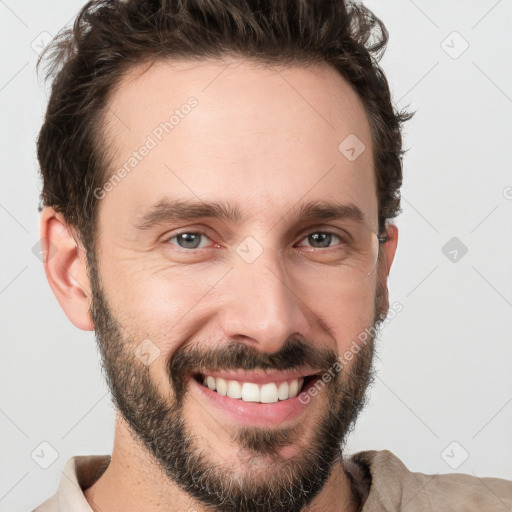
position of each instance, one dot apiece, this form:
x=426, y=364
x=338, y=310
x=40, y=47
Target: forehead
x=266, y=136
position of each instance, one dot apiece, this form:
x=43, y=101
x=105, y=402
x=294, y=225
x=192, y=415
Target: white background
x=444, y=362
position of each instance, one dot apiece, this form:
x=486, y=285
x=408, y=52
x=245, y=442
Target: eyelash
x=201, y=233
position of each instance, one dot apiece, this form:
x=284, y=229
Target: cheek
x=348, y=312
x=170, y=305
x=164, y=305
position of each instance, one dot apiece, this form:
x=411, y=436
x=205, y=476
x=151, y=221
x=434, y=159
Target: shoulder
x=79, y=473
x=50, y=505
x=392, y=487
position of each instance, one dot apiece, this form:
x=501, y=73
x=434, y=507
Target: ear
x=389, y=247
x=388, y=250
x=65, y=266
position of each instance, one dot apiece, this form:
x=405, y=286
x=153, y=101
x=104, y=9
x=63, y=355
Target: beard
x=267, y=482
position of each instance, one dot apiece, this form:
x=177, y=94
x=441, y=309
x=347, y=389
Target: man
x=218, y=184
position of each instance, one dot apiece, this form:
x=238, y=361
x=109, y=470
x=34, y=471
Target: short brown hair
x=88, y=61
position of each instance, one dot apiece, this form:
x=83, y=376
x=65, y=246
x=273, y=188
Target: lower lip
x=253, y=413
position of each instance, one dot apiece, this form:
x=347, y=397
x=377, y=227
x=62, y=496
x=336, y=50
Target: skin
x=272, y=133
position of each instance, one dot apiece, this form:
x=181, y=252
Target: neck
x=133, y=481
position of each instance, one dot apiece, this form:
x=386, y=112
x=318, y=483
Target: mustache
x=295, y=354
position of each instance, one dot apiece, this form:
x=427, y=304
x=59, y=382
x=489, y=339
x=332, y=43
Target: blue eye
x=321, y=239
x=194, y=239
x=188, y=240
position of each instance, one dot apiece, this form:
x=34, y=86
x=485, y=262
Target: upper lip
x=260, y=376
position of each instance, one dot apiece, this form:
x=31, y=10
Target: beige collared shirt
x=379, y=477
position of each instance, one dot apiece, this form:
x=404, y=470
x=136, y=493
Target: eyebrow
x=172, y=210
x=328, y=210
x=167, y=210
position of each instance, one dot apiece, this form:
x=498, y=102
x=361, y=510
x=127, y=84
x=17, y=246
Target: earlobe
x=65, y=265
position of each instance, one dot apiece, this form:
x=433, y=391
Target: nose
x=260, y=305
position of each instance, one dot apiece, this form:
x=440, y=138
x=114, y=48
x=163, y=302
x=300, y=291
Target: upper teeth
x=252, y=392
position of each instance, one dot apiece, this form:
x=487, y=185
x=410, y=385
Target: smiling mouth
x=268, y=393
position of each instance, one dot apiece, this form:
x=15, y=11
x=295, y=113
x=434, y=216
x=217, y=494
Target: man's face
x=259, y=300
